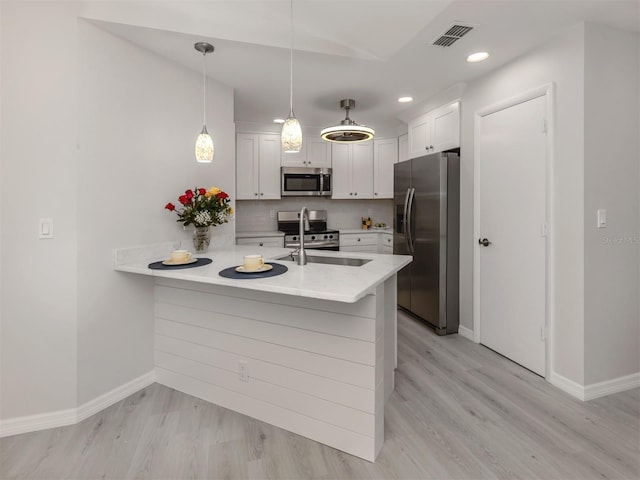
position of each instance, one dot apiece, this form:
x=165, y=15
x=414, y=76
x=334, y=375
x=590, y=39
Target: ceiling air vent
x=452, y=35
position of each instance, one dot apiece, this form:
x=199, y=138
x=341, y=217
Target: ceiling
x=373, y=51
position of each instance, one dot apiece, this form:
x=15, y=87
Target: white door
x=512, y=204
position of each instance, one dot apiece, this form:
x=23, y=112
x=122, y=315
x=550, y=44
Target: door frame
x=547, y=91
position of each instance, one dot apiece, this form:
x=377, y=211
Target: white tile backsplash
x=252, y=216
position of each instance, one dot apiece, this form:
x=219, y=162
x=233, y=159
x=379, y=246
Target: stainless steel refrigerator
x=427, y=226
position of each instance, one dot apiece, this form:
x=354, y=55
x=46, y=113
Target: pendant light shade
x=291, y=136
x=204, y=143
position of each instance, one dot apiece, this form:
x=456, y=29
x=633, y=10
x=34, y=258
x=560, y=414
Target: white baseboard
x=61, y=418
x=608, y=387
x=465, y=332
x=569, y=386
x=113, y=396
x=595, y=390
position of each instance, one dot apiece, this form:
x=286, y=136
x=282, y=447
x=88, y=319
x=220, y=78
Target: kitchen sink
x=345, y=261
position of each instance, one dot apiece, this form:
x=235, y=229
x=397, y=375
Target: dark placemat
x=275, y=271
x=200, y=262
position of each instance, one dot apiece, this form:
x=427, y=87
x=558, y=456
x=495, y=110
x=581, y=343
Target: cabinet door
x=298, y=159
x=341, y=165
x=269, y=169
x=318, y=153
x=403, y=148
x=446, y=128
x=362, y=170
x=247, y=175
x=261, y=241
x=385, y=155
x=420, y=136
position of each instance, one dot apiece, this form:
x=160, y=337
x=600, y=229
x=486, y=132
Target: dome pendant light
x=204, y=142
x=291, y=136
x=348, y=131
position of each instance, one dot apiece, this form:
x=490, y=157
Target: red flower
x=201, y=191
x=184, y=199
x=221, y=195
x=170, y=206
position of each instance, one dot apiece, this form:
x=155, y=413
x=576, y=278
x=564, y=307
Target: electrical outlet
x=243, y=369
x=370, y=213
x=272, y=213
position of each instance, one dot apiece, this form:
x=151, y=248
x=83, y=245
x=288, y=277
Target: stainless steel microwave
x=305, y=182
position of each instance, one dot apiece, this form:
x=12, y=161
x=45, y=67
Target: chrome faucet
x=304, y=220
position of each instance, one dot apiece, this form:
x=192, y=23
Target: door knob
x=484, y=242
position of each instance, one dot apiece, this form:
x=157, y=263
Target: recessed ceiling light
x=278, y=120
x=477, y=57
x=405, y=99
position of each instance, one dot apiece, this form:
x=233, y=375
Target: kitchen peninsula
x=312, y=351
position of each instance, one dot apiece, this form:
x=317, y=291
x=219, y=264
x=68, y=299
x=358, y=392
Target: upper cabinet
x=315, y=153
x=385, y=155
x=403, y=147
x=352, y=166
x=435, y=131
x=257, y=166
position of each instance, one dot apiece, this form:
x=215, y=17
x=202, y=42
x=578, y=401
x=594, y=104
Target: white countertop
x=314, y=280
x=269, y=233
x=370, y=230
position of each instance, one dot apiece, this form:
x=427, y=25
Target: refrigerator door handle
x=404, y=219
x=408, y=220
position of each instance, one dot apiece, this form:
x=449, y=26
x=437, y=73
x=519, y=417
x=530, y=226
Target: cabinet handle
x=351, y=193
x=261, y=244
x=356, y=193
x=431, y=147
x=358, y=239
x=376, y=193
x=261, y=193
x=256, y=194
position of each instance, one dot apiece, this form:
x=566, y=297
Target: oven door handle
x=311, y=245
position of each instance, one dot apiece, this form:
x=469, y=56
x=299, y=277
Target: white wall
x=39, y=174
x=98, y=135
x=562, y=62
x=139, y=117
x=612, y=130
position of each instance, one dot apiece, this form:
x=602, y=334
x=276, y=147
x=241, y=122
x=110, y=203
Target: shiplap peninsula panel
x=315, y=367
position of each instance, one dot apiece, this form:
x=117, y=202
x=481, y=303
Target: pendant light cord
x=291, y=62
x=204, y=88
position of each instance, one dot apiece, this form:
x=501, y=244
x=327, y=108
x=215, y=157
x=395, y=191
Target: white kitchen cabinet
x=262, y=241
x=359, y=242
x=385, y=156
x=315, y=153
x=403, y=147
x=385, y=242
x=352, y=166
x=435, y=131
x=257, y=166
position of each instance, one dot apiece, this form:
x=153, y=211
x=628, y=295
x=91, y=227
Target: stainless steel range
x=316, y=234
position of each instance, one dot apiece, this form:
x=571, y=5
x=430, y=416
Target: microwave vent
x=452, y=35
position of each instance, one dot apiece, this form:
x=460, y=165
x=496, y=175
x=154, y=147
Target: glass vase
x=201, y=239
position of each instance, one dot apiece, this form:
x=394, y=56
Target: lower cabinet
x=371, y=242
x=261, y=241
x=385, y=243
x=359, y=242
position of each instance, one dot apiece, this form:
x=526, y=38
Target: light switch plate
x=46, y=228
x=602, y=218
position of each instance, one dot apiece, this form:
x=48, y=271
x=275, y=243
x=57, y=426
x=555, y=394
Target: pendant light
x=348, y=131
x=204, y=142
x=291, y=136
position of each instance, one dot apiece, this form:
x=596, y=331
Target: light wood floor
x=459, y=411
